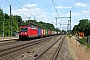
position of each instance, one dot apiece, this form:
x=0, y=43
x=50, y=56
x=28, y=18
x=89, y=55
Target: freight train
x=31, y=31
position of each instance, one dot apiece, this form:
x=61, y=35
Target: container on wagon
x=50, y=32
x=39, y=31
x=55, y=32
x=44, y=32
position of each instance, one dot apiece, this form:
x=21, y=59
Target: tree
x=17, y=22
x=1, y=21
x=57, y=29
x=75, y=29
x=83, y=26
x=18, y=19
x=5, y=18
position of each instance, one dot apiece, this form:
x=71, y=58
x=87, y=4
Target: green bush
x=83, y=41
x=88, y=46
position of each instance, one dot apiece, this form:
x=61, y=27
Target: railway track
x=49, y=52
x=17, y=47
x=58, y=49
x=3, y=41
x=8, y=39
x=6, y=51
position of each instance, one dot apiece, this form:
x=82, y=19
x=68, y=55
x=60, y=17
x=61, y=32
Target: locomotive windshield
x=24, y=29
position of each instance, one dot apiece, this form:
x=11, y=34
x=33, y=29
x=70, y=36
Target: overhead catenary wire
x=2, y=4
x=55, y=8
x=6, y=5
x=57, y=13
x=19, y=2
x=11, y=3
x=58, y=9
x=74, y=5
x=22, y=4
x=50, y=21
x=70, y=9
x=17, y=6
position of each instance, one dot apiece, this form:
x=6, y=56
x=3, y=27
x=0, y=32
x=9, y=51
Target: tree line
x=83, y=26
x=5, y=24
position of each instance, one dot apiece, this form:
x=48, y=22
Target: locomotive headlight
x=25, y=33
x=20, y=33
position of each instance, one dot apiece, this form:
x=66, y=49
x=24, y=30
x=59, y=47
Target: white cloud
x=32, y=12
x=73, y=23
x=40, y=14
x=76, y=14
x=66, y=15
x=72, y=14
x=37, y=11
x=85, y=11
x=28, y=11
x=6, y=9
x=29, y=5
x=80, y=5
x=21, y=12
x=63, y=7
x=43, y=18
x=59, y=7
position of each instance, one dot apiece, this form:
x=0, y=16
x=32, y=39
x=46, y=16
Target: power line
x=55, y=8
x=3, y=3
x=6, y=4
x=74, y=5
x=70, y=9
x=50, y=21
x=17, y=6
x=22, y=4
x=11, y=3
x=19, y=3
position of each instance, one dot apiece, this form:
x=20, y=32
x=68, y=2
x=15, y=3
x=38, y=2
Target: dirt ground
x=77, y=51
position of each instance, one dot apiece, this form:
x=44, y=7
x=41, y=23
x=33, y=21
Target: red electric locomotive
x=27, y=32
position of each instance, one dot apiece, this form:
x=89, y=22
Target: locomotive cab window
x=24, y=29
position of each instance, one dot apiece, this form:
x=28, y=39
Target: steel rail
x=57, y=51
x=18, y=47
x=35, y=58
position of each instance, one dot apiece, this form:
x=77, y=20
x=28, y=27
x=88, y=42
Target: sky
x=47, y=10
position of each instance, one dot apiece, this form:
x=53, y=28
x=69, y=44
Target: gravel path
x=78, y=52
x=64, y=52
x=48, y=55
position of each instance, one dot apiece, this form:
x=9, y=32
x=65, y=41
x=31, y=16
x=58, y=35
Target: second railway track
x=49, y=52
x=7, y=51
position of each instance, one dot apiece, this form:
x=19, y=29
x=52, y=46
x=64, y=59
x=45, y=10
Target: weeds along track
x=9, y=49
x=48, y=52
